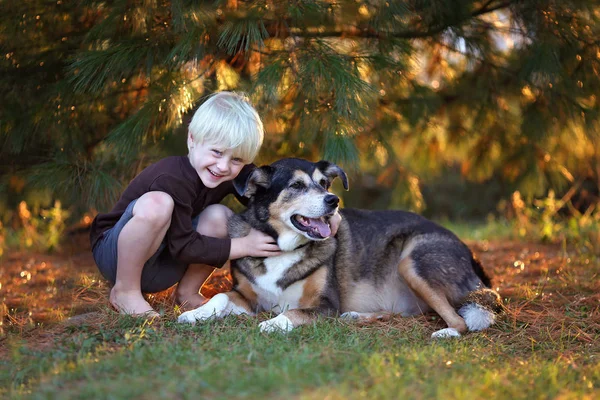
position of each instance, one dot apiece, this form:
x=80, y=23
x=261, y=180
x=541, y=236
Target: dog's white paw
x=213, y=308
x=199, y=314
x=476, y=316
x=445, y=333
x=350, y=315
x=187, y=317
x=280, y=323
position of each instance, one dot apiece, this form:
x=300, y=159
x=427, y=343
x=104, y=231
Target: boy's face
x=214, y=164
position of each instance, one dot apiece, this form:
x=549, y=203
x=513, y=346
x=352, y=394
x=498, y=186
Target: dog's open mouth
x=316, y=228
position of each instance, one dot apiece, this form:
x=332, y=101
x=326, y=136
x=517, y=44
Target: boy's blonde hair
x=229, y=120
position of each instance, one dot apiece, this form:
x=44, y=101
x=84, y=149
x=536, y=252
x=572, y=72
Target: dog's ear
x=247, y=184
x=331, y=171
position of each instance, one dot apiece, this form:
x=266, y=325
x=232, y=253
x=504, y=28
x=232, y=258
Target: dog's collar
x=301, y=246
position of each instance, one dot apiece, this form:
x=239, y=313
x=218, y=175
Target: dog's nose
x=332, y=200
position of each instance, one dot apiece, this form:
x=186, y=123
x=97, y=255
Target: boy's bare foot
x=131, y=303
x=190, y=301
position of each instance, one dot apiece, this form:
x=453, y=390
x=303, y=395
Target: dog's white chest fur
x=271, y=297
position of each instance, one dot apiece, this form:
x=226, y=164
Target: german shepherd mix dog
x=379, y=262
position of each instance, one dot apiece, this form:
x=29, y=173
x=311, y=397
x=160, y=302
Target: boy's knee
x=155, y=207
x=213, y=221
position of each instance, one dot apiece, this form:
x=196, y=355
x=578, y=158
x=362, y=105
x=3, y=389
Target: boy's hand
x=255, y=244
x=334, y=222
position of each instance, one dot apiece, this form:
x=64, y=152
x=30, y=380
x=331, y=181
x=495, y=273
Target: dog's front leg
x=219, y=306
x=291, y=319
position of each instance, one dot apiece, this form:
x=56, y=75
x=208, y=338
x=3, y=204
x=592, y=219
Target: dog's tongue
x=319, y=225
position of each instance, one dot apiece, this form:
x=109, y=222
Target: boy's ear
x=248, y=183
x=331, y=171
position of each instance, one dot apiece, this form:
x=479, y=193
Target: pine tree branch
x=408, y=34
x=515, y=75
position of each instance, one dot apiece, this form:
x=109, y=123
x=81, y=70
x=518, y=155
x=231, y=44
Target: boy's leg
x=138, y=241
x=212, y=222
x=188, y=290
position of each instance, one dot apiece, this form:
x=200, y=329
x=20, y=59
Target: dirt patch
x=38, y=289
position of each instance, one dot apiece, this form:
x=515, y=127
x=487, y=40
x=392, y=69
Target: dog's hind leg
x=436, y=299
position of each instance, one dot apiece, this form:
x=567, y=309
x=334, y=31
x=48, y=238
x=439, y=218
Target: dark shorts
x=160, y=272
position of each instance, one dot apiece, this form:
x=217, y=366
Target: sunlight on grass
x=129, y=358
x=459, y=371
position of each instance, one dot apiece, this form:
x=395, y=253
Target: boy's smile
x=214, y=164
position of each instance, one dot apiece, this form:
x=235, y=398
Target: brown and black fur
x=378, y=262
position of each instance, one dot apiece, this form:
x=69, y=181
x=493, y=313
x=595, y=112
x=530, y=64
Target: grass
x=546, y=345
x=231, y=359
x=479, y=231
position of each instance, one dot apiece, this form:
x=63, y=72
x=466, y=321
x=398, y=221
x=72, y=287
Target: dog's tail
x=480, y=309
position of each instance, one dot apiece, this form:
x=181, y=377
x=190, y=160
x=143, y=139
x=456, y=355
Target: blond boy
x=168, y=227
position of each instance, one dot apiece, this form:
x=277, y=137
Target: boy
x=167, y=227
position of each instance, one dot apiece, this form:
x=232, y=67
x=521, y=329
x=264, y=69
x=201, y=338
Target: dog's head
x=291, y=197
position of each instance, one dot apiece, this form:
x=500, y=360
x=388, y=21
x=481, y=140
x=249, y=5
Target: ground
x=552, y=293
x=39, y=289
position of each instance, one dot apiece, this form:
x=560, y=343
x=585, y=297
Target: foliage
x=402, y=91
x=39, y=230
x=543, y=221
x=546, y=219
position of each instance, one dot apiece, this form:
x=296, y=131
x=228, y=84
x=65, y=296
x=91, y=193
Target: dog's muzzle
x=317, y=228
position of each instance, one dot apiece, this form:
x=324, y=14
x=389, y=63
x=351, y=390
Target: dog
x=379, y=262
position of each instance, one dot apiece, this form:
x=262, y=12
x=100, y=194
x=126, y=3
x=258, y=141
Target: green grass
x=480, y=230
x=126, y=358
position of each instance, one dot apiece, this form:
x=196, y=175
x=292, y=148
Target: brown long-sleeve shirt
x=176, y=177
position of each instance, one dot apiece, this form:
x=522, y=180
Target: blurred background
x=477, y=113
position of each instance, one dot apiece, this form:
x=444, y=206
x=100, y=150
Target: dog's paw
x=199, y=314
x=280, y=323
x=445, y=333
x=187, y=317
x=214, y=308
x=350, y=315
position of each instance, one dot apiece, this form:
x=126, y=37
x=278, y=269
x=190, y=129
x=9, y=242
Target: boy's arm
x=184, y=242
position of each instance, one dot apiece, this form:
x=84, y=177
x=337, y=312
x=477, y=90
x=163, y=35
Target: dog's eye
x=298, y=185
x=324, y=183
